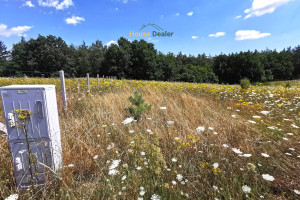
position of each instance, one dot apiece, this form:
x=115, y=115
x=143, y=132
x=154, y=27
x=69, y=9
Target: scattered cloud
x=249, y=35
x=190, y=13
x=75, y=20
x=29, y=4
x=261, y=7
x=195, y=37
x=125, y=1
x=237, y=17
x=19, y=30
x=117, y=9
x=58, y=4
x=218, y=34
x=111, y=42
x=177, y=14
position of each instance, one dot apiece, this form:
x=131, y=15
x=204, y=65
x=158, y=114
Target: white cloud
x=177, y=14
x=29, y=4
x=249, y=34
x=111, y=42
x=116, y=9
x=218, y=34
x=59, y=5
x=195, y=37
x=261, y=7
x=74, y=20
x=190, y=13
x=125, y=1
x=19, y=30
x=237, y=17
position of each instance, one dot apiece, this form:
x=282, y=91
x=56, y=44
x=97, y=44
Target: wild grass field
x=199, y=141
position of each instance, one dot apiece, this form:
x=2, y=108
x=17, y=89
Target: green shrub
x=245, y=83
x=138, y=106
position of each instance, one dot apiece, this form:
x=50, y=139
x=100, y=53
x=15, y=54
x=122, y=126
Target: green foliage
x=138, y=106
x=245, y=83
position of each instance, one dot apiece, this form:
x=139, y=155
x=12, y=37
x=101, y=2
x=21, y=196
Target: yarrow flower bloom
x=246, y=189
x=179, y=177
x=216, y=165
x=265, y=155
x=71, y=165
x=12, y=197
x=163, y=108
x=128, y=120
x=265, y=112
x=174, y=159
x=200, y=129
x=235, y=150
x=268, y=177
x=155, y=197
x=113, y=172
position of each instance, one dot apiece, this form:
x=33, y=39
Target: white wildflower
x=215, y=133
x=265, y=155
x=268, y=177
x=292, y=149
x=113, y=172
x=163, y=108
x=294, y=126
x=256, y=117
x=170, y=122
x=179, y=177
x=71, y=165
x=200, y=129
x=233, y=116
x=235, y=150
x=297, y=192
x=174, y=159
x=123, y=177
x=225, y=145
x=115, y=164
x=155, y=197
x=247, y=155
x=128, y=120
x=110, y=146
x=140, y=198
x=288, y=154
x=252, y=122
x=290, y=134
x=143, y=153
x=95, y=157
x=142, y=191
x=265, y=112
x=138, y=168
x=285, y=138
x=174, y=182
x=216, y=165
x=131, y=131
x=246, y=189
x=215, y=188
x=12, y=197
x=210, y=128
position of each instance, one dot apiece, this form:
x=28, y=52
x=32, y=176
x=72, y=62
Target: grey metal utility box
x=42, y=130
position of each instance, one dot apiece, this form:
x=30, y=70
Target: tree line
x=46, y=55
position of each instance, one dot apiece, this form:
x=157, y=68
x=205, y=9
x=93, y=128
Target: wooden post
x=88, y=81
x=63, y=88
x=98, y=81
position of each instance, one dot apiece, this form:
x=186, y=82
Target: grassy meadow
x=199, y=141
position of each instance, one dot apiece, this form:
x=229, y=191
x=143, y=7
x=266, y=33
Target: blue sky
x=198, y=26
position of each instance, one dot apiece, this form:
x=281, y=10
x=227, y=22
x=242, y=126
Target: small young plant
x=245, y=83
x=138, y=106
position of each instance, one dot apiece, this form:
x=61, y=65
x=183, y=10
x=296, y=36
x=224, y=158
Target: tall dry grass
x=159, y=152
